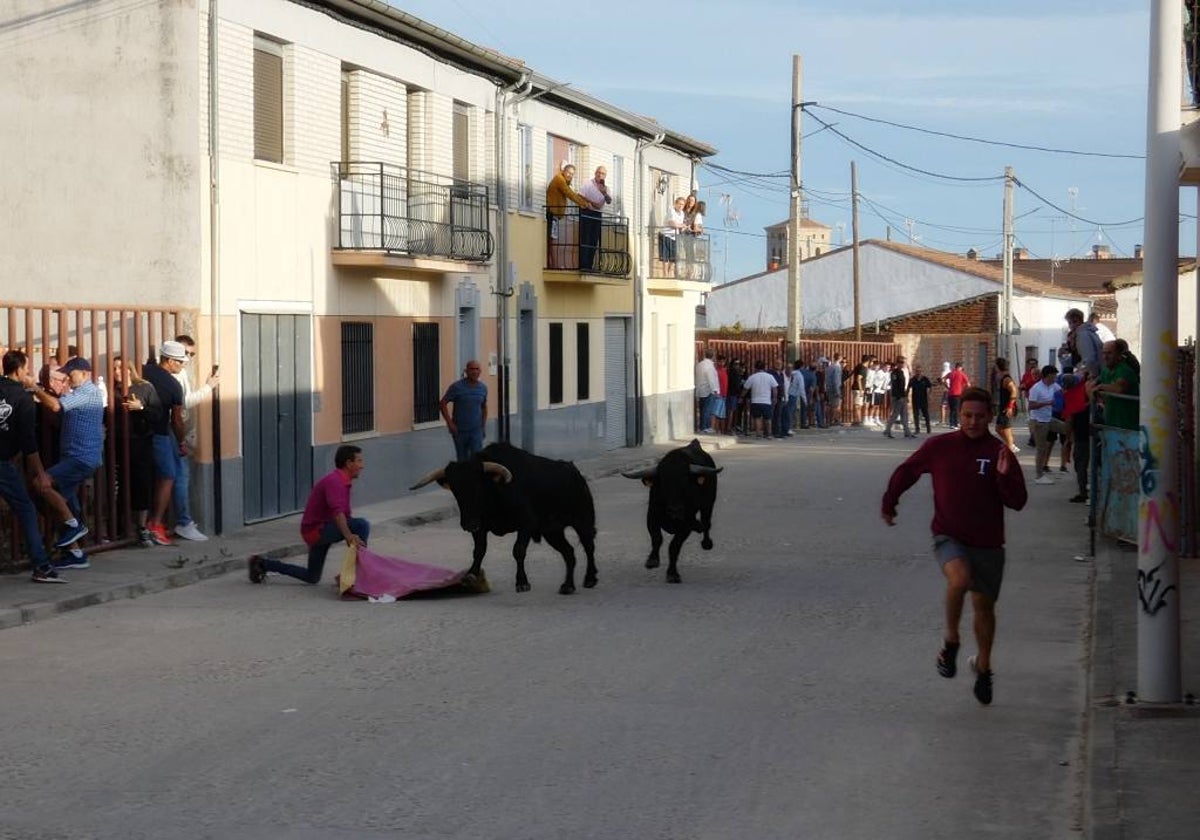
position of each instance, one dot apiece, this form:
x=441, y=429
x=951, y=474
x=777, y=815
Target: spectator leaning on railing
x=1117, y=378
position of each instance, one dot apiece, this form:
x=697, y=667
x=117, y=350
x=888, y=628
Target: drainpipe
x=640, y=272
x=214, y=254
x=504, y=271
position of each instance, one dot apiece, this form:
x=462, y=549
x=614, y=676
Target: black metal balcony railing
x=393, y=208
x=587, y=241
x=679, y=254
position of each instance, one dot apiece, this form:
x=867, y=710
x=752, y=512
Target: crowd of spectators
x=153, y=418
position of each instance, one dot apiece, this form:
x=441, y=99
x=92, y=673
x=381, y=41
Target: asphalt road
x=785, y=690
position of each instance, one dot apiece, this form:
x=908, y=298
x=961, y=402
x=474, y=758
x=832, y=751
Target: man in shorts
x=763, y=391
x=975, y=476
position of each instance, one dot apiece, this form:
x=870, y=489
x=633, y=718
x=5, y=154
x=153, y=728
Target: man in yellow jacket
x=562, y=231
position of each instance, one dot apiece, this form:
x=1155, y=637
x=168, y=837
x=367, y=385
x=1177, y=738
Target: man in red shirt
x=956, y=382
x=326, y=521
x=975, y=476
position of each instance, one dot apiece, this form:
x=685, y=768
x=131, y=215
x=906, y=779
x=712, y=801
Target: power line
x=1027, y=147
x=894, y=162
x=1075, y=216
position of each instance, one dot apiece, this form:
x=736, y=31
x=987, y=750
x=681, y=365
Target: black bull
x=504, y=489
x=683, y=490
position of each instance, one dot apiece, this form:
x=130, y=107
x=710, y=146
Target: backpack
x=142, y=423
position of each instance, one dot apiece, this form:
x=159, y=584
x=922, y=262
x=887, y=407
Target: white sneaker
x=1046, y=479
x=190, y=532
x=1014, y=449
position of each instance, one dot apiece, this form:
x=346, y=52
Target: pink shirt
x=329, y=497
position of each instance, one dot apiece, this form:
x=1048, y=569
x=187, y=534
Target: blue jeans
x=12, y=489
x=172, y=466
x=467, y=443
x=788, y=413
x=316, y=553
x=68, y=475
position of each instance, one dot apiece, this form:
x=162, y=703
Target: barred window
x=426, y=363
x=358, y=377
x=556, y=363
x=582, y=361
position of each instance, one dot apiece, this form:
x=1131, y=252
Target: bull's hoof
x=706, y=543
x=589, y=582
x=476, y=583
x=673, y=577
x=523, y=587
x=566, y=589
x=651, y=562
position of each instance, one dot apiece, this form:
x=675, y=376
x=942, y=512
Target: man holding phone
x=597, y=196
x=192, y=397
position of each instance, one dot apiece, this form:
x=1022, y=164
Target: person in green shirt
x=1117, y=377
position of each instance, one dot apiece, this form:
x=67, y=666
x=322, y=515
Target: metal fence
x=679, y=255
x=589, y=242
x=50, y=335
x=391, y=208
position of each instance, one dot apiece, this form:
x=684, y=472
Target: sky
x=1066, y=74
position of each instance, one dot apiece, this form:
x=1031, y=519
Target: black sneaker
x=73, y=558
x=1078, y=498
x=46, y=574
x=947, y=659
x=71, y=535
x=983, y=683
x=146, y=538
x=255, y=568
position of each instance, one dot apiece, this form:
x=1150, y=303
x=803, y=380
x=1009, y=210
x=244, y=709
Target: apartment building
x=352, y=211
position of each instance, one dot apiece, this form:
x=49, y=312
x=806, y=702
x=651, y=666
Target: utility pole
x=1158, y=647
x=1006, y=314
x=854, y=233
x=795, y=317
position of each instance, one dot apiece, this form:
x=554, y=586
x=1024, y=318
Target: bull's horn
x=701, y=469
x=648, y=472
x=436, y=475
x=492, y=468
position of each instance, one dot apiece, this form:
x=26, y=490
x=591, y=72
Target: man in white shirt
x=708, y=386
x=597, y=195
x=1042, y=420
x=1106, y=335
x=192, y=397
x=763, y=391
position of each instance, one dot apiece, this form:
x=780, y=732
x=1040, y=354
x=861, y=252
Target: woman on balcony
x=693, y=226
x=562, y=230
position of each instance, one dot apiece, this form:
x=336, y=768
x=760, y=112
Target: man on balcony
x=562, y=235
x=597, y=195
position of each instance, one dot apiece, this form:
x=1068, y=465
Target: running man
x=975, y=476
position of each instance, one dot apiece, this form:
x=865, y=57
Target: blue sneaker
x=73, y=559
x=71, y=535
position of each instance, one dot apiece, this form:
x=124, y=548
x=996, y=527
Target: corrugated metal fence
x=50, y=335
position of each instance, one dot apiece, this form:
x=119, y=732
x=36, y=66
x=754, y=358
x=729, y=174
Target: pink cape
x=366, y=574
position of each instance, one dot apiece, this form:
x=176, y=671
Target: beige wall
x=103, y=170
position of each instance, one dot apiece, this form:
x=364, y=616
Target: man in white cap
x=170, y=437
x=185, y=526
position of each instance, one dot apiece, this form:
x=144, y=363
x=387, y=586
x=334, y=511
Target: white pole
x=1006, y=315
x=1159, y=509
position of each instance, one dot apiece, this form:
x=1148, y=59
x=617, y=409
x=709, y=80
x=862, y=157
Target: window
x=582, y=362
x=556, y=364
x=358, y=377
x=616, y=181
x=558, y=150
x=525, y=173
x=345, y=121
x=462, y=142
x=268, y=101
x=426, y=364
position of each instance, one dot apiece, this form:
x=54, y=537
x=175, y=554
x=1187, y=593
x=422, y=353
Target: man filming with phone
x=597, y=195
x=192, y=398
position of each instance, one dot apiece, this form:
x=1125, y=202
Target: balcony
x=679, y=261
x=587, y=246
x=394, y=216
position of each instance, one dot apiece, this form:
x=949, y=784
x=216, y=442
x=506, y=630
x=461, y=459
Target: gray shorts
x=986, y=564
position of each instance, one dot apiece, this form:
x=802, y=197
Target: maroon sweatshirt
x=969, y=493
